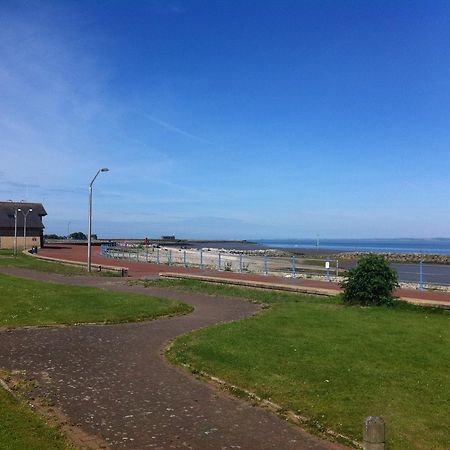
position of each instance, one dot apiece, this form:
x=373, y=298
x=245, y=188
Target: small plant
x=371, y=282
x=228, y=267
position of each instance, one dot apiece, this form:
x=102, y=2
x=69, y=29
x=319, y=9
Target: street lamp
x=15, y=227
x=15, y=231
x=24, y=226
x=89, y=258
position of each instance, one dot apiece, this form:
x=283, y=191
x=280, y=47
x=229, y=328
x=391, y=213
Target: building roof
x=34, y=217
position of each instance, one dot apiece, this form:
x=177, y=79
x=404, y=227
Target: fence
x=295, y=267
x=424, y=276
x=419, y=275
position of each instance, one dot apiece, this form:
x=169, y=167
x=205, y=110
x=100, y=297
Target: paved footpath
x=113, y=382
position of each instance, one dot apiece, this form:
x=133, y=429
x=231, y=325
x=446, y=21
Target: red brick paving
x=141, y=269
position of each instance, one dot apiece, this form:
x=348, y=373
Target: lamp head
x=104, y=169
x=18, y=209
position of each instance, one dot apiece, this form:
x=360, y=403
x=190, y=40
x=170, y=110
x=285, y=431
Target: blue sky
x=229, y=119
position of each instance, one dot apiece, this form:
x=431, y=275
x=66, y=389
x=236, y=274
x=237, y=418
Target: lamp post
x=25, y=226
x=89, y=258
x=15, y=231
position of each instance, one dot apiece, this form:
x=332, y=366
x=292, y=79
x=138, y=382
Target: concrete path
x=113, y=381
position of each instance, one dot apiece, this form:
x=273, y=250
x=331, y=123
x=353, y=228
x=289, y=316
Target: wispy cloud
x=165, y=7
x=175, y=129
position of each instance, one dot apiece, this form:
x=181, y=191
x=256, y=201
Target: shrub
x=371, y=282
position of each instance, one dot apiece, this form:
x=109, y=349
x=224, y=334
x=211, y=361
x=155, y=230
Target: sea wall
x=398, y=257
x=270, y=252
x=391, y=257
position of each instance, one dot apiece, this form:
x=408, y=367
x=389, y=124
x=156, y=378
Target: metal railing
x=295, y=267
x=421, y=276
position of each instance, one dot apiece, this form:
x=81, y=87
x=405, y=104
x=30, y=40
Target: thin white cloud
x=175, y=129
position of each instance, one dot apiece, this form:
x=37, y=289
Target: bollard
x=421, y=274
x=327, y=266
x=373, y=433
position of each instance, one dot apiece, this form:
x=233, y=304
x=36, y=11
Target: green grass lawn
x=332, y=363
x=26, y=302
x=29, y=262
x=20, y=428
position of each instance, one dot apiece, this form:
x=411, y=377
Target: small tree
x=53, y=236
x=78, y=236
x=371, y=282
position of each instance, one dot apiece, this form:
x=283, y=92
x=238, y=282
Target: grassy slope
x=335, y=364
x=26, y=302
x=21, y=429
x=29, y=262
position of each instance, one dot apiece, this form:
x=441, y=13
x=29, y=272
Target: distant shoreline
x=248, y=247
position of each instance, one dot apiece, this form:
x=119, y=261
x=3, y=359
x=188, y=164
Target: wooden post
x=373, y=433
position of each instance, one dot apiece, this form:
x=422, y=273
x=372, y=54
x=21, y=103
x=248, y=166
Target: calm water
x=434, y=246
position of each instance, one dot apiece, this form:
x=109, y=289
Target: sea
x=404, y=245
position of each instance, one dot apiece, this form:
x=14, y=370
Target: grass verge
x=263, y=296
x=26, y=302
x=21, y=428
x=332, y=363
x=29, y=262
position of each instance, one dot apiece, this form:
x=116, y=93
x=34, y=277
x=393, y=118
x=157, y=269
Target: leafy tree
x=53, y=236
x=78, y=236
x=371, y=282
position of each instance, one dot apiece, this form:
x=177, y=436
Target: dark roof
x=34, y=218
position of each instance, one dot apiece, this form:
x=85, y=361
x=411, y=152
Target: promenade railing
x=295, y=267
x=415, y=275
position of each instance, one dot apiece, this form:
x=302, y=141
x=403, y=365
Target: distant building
x=168, y=238
x=34, y=229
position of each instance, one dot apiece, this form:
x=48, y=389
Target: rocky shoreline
x=405, y=258
x=270, y=252
x=398, y=257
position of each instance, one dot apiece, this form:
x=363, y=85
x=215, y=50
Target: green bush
x=371, y=282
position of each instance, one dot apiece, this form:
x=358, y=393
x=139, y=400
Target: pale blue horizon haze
x=229, y=120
